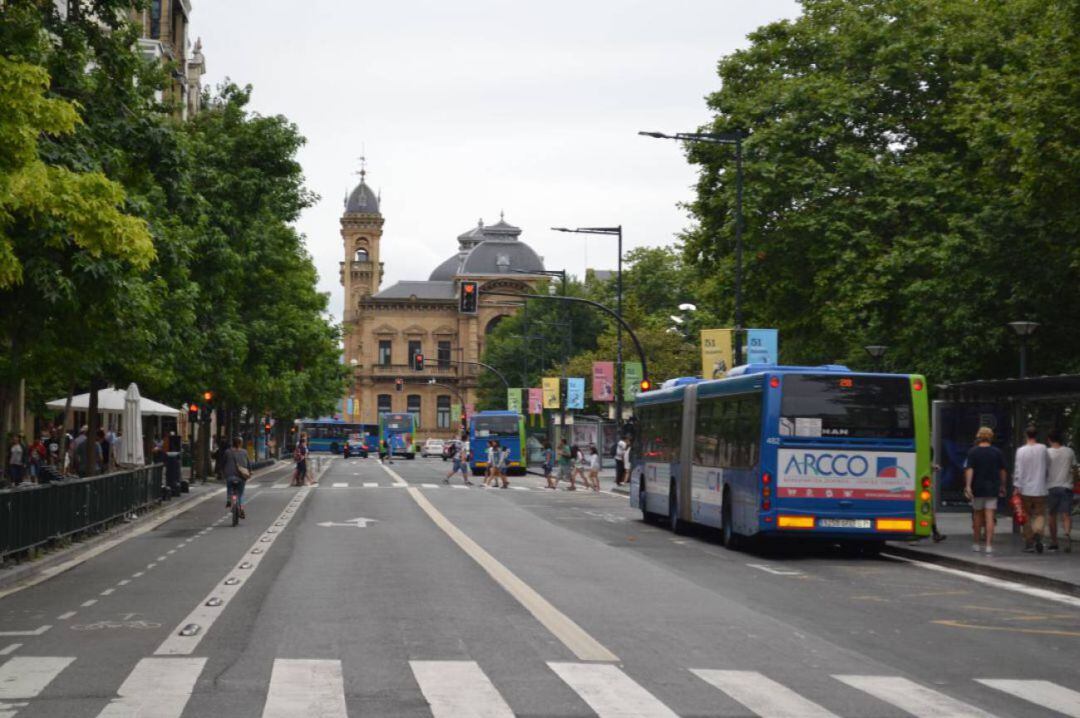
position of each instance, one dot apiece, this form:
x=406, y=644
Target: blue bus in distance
x=506, y=427
x=785, y=451
x=398, y=431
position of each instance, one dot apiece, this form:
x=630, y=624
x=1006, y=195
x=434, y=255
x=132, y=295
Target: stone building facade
x=385, y=327
x=165, y=38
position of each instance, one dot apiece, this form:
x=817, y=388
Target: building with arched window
x=386, y=327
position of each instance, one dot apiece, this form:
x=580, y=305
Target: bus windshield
x=846, y=406
x=492, y=426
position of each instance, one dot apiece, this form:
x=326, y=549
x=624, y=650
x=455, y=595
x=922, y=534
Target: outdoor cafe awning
x=112, y=401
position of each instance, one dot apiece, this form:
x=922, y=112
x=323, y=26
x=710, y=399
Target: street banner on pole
x=603, y=381
x=716, y=352
x=550, y=386
x=632, y=376
x=455, y=413
x=761, y=346
x=575, y=393
x=513, y=400
x=536, y=400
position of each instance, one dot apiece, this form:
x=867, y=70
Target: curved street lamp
x=877, y=353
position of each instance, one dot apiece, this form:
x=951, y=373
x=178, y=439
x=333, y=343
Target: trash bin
x=172, y=473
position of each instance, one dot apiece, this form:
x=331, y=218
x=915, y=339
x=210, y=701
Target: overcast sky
x=465, y=109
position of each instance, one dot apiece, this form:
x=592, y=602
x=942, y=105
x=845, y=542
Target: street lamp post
x=724, y=138
x=564, y=392
x=877, y=353
x=1023, y=330
x=611, y=232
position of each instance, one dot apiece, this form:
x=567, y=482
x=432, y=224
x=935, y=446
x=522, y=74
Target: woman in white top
x=594, y=468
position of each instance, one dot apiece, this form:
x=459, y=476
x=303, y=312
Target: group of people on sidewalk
x=30, y=461
x=1043, y=483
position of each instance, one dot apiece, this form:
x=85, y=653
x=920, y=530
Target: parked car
x=433, y=447
x=450, y=448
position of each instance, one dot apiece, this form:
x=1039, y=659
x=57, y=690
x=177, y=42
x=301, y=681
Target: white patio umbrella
x=131, y=443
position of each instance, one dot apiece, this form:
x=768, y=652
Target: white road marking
x=107, y=592
x=305, y=688
x=912, y=698
x=430, y=486
x=22, y=678
x=65, y=616
x=370, y=484
x=123, y=582
x=610, y=692
x=459, y=689
x=10, y=648
x=203, y=615
x=35, y=632
x=156, y=688
x=339, y=485
x=996, y=582
x=282, y=485
x=774, y=571
x=458, y=486
x=88, y=604
x=762, y=695
x=580, y=643
x=137, y=574
x=159, y=559
x=1042, y=693
x=521, y=488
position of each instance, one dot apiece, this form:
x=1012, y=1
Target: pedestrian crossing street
x=162, y=686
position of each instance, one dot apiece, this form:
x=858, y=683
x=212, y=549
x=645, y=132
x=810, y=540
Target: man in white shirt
x=1029, y=479
x=1059, y=487
x=620, y=464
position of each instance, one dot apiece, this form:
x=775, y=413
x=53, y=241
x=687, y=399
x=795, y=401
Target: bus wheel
x=729, y=538
x=674, y=523
x=410, y=456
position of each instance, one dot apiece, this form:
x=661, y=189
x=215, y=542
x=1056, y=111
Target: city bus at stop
x=399, y=432
x=506, y=427
x=770, y=451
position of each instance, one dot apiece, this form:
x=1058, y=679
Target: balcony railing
x=406, y=370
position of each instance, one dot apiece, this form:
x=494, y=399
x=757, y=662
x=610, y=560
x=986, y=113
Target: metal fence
x=34, y=516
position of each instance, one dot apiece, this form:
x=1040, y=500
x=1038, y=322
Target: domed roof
x=500, y=256
x=362, y=200
x=447, y=270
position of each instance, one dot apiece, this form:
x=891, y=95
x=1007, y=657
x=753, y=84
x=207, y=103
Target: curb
x=38, y=571
x=1007, y=574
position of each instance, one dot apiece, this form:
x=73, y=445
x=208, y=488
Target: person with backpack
x=461, y=464
x=237, y=470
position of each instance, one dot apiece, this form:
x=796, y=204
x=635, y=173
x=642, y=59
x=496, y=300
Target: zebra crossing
x=427, y=486
x=162, y=686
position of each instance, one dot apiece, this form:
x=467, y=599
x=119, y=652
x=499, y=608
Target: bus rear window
x=495, y=426
x=846, y=406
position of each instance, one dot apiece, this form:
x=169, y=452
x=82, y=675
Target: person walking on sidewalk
x=1059, y=488
x=502, y=458
x=984, y=483
x=594, y=468
x=549, y=464
x=1029, y=478
x=620, y=466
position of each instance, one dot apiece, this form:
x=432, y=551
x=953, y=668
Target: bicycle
x=234, y=501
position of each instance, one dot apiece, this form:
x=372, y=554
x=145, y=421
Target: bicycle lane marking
x=235, y=579
x=573, y=636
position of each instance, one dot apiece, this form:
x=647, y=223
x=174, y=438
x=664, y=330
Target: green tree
x=909, y=181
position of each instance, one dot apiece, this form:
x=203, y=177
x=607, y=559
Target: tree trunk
x=69, y=420
x=93, y=424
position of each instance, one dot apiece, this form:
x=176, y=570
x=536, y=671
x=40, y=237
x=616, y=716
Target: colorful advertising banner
x=761, y=346
x=550, y=386
x=575, y=393
x=536, y=400
x=513, y=400
x=603, y=381
x=716, y=352
x=455, y=414
x=632, y=376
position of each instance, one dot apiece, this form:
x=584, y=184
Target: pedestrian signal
x=467, y=299
x=418, y=362
x=399, y=384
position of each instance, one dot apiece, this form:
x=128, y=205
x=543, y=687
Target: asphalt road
x=384, y=592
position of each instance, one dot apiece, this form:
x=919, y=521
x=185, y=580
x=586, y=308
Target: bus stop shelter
x=1007, y=406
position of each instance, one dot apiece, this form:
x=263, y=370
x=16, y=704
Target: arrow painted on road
x=359, y=523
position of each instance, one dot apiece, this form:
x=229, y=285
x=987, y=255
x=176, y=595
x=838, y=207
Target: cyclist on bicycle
x=237, y=470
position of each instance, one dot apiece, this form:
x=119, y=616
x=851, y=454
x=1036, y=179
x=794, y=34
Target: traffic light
x=467, y=299
x=192, y=413
x=645, y=385
x=418, y=362
x=399, y=384
x=208, y=396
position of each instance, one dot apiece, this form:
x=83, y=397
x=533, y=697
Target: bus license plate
x=844, y=523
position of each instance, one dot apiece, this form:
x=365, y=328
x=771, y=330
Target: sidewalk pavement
x=1059, y=571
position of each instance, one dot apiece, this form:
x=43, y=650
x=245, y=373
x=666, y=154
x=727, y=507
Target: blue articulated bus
x=328, y=434
x=785, y=451
x=398, y=431
x=506, y=427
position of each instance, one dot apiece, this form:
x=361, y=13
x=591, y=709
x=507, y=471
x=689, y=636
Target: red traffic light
x=192, y=407
x=208, y=396
x=645, y=385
